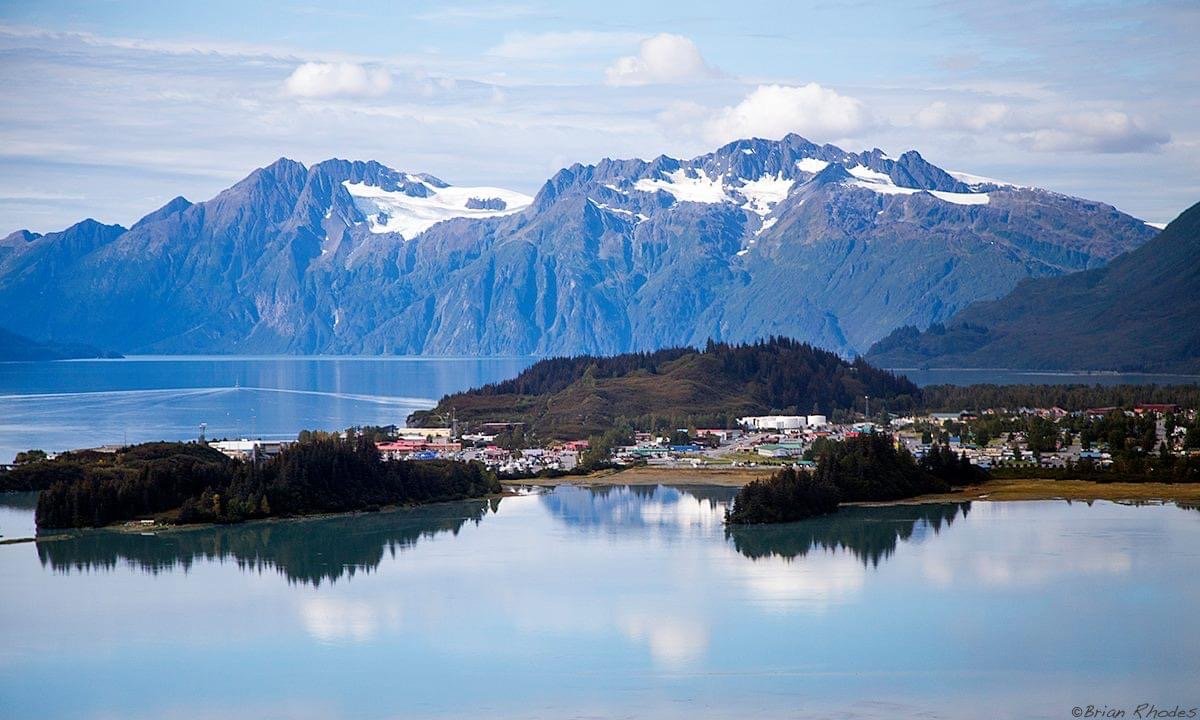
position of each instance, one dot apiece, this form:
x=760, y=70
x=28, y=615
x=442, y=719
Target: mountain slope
x=15, y=347
x=1139, y=313
x=757, y=238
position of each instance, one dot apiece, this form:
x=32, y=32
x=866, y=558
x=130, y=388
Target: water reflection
x=673, y=508
x=304, y=551
x=19, y=500
x=870, y=534
x=622, y=602
x=16, y=515
x=317, y=550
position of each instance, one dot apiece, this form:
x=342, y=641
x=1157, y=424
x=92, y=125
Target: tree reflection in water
x=869, y=533
x=317, y=550
x=308, y=551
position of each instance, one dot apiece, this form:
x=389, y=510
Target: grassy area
x=1000, y=490
x=657, y=475
x=1031, y=489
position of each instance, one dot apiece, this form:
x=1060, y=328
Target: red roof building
x=1155, y=408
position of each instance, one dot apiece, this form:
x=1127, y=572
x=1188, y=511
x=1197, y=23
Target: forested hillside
x=1140, y=313
x=578, y=396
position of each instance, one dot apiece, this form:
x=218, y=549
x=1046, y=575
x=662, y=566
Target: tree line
x=582, y=395
x=188, y=483
x=1068, y=397
x=863, y=469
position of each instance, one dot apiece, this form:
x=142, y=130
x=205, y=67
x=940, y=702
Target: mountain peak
x=20, y=237
x=296, y=259
x=285, y=164
x=174, y=206
x=91, y=226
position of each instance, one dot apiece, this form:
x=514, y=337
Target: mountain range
x=1139, y=313
x=757, y=238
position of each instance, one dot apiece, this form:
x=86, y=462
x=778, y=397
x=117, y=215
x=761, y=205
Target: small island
x=867, y=468
x=184, y=483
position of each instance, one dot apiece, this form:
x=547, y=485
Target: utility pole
x=867, y=398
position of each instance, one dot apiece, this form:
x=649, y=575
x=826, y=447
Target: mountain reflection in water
x=871, y=534
x=305, y=551
x=639, y=506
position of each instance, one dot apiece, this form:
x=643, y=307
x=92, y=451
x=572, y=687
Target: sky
x=110, y=109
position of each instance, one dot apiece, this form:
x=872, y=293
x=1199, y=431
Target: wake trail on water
x=164, y=394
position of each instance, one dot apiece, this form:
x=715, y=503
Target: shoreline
x=137, y=527
x=1006, y=490
x=1000, y=490
x=722, y=476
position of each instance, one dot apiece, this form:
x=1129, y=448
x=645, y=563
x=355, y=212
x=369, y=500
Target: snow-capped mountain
x=422, y=201
x=759, y=237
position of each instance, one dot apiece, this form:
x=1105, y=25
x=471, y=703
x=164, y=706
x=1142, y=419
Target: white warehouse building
x=773, y=422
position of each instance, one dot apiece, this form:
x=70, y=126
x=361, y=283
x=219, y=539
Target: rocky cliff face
x=758, y=238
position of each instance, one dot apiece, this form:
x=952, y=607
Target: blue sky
x=112, y=108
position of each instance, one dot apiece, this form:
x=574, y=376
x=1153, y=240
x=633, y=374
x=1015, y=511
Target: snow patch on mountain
x=625, y=214
x=866, y=174
x=811, y=165
x=978, y=180
x=961, y=198
x=686, y=188
x=765, y=226
x=409, y=215
x=876, y=181
x=763, y=193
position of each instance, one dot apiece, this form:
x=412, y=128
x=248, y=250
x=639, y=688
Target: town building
x=249, y=450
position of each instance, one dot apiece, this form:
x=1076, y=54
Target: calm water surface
x=84, y=403
x=610, y=603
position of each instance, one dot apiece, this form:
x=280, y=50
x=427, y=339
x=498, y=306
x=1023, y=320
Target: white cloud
x=556, y=45
x=663, y=58
x=772, y=111
x=940, y=116
x=1041, y=130
x=1108, y=131
x=313, y=79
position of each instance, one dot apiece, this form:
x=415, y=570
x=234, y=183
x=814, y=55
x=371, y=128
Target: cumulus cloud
x=663, y=58
x=1101, y=132
x=775, y=110
x=314, y=79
